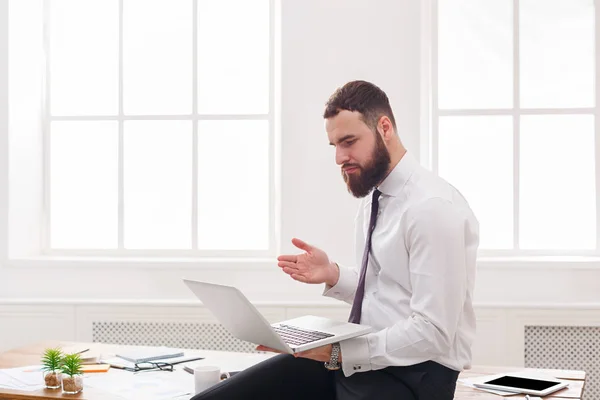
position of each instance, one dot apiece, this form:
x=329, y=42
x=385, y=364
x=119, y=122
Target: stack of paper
x=159, y=385
x=87, y=356
x=28, y=379
x=470, y=383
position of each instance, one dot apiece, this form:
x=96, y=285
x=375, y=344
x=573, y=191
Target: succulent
x=52, y=359
x=71, y=365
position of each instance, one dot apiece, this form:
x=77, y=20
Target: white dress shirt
x=420, y=276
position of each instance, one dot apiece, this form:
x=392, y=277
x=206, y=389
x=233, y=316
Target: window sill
x=538, y=262
x=325, y=302
x=267, y=263
x=218, y=263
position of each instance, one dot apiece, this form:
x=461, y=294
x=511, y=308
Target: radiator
x=172, y=334
x=566, y=347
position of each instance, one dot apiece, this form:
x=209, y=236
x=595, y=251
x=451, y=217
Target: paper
x=573, y=375
x=87, y=356
x=468, y=383
x=28, y=379
x=79, y=349
x=144, y=386
x=159, y=385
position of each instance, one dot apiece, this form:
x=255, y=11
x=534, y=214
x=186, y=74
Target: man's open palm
x=312, y=266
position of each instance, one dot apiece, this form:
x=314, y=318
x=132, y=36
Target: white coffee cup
x=206, y=376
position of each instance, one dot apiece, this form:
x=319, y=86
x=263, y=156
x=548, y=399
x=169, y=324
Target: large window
x=158, y=126
x=513, y=120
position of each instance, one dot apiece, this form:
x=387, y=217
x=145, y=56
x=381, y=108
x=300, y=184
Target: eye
x=350, y=142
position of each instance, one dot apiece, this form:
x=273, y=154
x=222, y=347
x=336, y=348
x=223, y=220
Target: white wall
x=324, y=44
x=3, y=134
x=500, y=336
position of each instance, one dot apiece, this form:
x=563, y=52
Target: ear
x=385, y=128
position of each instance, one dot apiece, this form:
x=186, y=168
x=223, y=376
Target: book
x=87, y=356
x=148, y=354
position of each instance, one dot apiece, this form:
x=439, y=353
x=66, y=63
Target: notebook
x=87, y=356
x=146, y=354
x=88, y=368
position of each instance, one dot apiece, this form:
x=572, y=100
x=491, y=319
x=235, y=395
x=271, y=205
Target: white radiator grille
x=566, y=347
x=171, y=334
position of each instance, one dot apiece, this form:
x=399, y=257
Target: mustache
x=350, y=166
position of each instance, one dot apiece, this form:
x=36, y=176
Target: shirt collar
x=393, y=184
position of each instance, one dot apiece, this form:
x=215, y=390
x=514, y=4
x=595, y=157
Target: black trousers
x=288, y=378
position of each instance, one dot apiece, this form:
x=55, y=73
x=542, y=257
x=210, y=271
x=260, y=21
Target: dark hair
x=361, y=96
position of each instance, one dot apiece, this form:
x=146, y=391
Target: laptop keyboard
x=296, y=336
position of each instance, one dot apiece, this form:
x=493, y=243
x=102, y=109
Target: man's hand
x=313, y=266
x=322, y=353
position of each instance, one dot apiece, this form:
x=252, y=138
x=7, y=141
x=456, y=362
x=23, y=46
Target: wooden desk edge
x=31, y=352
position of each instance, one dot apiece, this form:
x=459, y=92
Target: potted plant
x=72, y=375
x=51, y=360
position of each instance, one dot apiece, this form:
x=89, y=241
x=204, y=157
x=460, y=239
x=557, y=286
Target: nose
x=341, y=156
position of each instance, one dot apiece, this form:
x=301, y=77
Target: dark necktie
x=360, y=290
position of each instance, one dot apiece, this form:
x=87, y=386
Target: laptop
x=235, y=312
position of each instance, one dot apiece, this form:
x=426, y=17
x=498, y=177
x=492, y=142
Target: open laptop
x=235, y=312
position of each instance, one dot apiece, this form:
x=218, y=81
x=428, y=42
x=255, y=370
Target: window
x=158, y=124
x=513, y=127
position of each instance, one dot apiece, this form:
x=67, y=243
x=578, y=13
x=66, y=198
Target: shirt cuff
x=356, y=356
x=345, y=287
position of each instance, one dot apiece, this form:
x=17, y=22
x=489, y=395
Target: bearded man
x=413, y=282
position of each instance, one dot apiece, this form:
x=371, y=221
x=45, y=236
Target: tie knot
x=376, y=194
x=375, y=203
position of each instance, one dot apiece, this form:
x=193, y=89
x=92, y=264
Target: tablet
x=523, y=384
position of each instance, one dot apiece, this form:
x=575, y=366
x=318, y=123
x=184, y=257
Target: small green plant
x=71, y=365
x=52, y=359
x=51, y=365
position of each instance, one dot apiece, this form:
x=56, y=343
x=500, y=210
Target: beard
x=370, y=175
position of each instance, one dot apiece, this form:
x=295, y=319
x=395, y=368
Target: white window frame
x=431, y=113
x=194, y=252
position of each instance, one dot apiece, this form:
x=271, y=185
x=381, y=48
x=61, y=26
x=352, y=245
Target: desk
x=30, y=355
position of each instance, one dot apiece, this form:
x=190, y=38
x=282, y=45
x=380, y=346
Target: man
x=417, y=241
